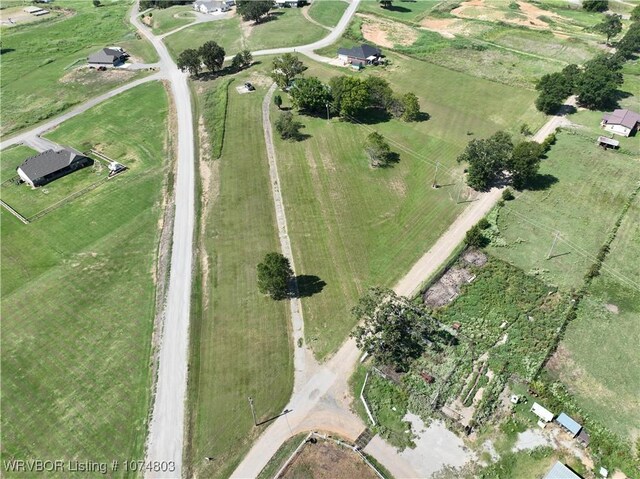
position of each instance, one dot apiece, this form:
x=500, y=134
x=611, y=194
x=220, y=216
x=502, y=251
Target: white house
x=212, y=6
x=621, y=122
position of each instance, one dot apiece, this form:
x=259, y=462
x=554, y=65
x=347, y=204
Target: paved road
x=322, y=403
x=165, y=440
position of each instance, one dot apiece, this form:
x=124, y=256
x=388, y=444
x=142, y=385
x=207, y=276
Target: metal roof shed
x=560, y=471
x=541, y=412
x=569, y=424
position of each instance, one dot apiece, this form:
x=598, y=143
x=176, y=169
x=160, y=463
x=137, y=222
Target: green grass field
x=240, y=341
x=346, y=219
x=35, y=58
x=289, y=29
x=327, y=12
x=224, y=32
x=409, y=12
x=78, y=298
x=168, y=19
x=602, y=341
x=578, y=172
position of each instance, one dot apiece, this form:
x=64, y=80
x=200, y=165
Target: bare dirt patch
x=612, y=308
x=447, y=288
x=474, y=257
x=387, y=33
x=88, y=76
x=526, y=15
x=447, y=27
x=327, y=460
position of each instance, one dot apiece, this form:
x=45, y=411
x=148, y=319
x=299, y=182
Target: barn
x=49, y=165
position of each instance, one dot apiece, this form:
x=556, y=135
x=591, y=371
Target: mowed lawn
x=240, y=341
x=327, y=12
x=600, y=346
x=78, y=298
x=36, y=57
x=353, y=226
x=225, y=33
x=285, y=27
x=167, y=19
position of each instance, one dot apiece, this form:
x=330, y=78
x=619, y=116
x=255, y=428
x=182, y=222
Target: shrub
x=483, y=224
x=507, y=194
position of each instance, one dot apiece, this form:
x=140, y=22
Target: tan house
x=621, y=122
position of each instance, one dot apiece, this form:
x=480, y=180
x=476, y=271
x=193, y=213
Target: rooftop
x=626, y=118
x=361, y=51
x=560, y=471
x=568, y=423
x=47, y=162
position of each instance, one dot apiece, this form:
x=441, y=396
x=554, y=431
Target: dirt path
x=305, y=14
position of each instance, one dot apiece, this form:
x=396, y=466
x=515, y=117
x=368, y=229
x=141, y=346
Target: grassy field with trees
x=78, y=296
x=168, y=19
x=38, y=60
x=225, y=33
x=239, y=338
x=345, y=218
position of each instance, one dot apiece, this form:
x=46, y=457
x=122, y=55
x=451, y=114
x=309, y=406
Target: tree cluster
x=241, y=60
x=393, y=331
x=595, y=5
x=596, y=84
x=253, y=9
x=287, y=127
x=285, y=69
x=496, y=158
x=610, y=26
x=377, y=150
x=211, y=55
x=146, y=4
x=274, y=274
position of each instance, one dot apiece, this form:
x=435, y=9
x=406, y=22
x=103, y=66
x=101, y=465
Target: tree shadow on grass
x=541, y=182
x=396, y=8
x=6, y=50
x=391, y=160
x=308, y=285
x=372, y=116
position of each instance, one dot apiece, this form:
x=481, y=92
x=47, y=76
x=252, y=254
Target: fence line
x=373, y=422
x=14, y=213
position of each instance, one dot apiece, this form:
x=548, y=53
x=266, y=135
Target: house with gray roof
x=49, y=165
x=560, y=471
x=621, y=122
x=361, y=55
x=110, y=56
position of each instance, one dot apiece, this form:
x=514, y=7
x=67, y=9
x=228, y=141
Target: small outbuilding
x=560, y=471
x=621, y=122
x=49, y=165
x=606, y=142
x=569, y=424
x=544, y=414
x=110, y=56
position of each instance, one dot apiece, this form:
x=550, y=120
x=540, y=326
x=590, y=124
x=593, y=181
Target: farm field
x=240, y=342
x=78, y=296
x=327, y=12
x=166, y=19
x=603, y=339
x=38, y=79
x=225, y=33
x=345, y=219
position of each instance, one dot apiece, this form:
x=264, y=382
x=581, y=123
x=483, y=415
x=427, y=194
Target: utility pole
x=327, y=105
x=253, y=412
x=555, y=240
x=435, y=176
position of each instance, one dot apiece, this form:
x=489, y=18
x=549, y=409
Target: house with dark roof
x=49, y=165
x=621, y=122
x=110, y=56
x=360, y=55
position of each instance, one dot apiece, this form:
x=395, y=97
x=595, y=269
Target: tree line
x=596, y=82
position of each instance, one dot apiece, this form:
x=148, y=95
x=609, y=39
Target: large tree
x=311, y=95
x=554, y=88
x=274, y=274
x=288, y=127
x=524, y=162
x=253, y=9
x=597, y=86
x=392, y=329
x=190, y=60
x=241, y=60
x=212, y=56
x=610, y=26
x=380, y=93
x=595, y=5
x=487, y=159
x=350, y=96
x=377, y=150
x=286, y=68
x=411, y=107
